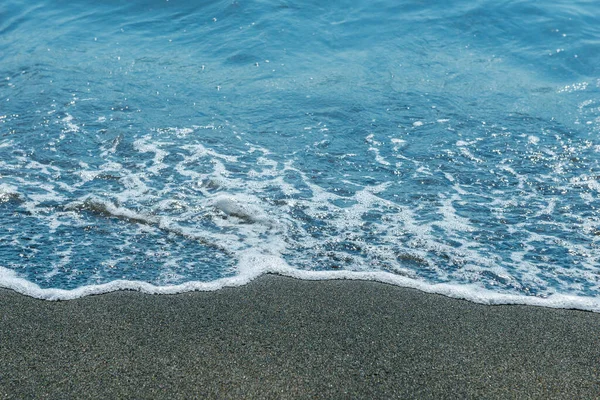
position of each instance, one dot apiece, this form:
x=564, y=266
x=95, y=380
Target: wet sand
x=284, y=338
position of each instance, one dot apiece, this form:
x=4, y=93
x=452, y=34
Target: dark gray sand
x=284, y=338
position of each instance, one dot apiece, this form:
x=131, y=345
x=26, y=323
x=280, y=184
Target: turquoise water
x=167, y=146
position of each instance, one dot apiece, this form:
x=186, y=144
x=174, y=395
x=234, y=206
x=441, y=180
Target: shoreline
x=10, y=280
x=280, y=337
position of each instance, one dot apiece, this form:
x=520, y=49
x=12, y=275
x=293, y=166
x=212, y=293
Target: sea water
x=168, y=146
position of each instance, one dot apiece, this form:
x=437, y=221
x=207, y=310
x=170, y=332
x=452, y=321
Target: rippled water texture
x=166, y=143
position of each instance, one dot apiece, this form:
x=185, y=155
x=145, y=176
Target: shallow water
x=166, y=147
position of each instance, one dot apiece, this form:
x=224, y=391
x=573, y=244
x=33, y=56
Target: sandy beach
x=285, y=338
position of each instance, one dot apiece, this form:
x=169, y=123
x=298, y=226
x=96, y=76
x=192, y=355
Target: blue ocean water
x=167, y=146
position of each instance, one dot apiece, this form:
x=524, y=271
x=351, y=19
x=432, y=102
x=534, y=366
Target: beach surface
x=284, y=338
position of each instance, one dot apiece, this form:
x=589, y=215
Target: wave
x=10, y=280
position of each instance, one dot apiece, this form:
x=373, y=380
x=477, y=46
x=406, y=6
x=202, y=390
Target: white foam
x=239, y=207
x=148, y=145
x=243, y=206
x=398, y=144
x=135, y=188
x=378, y=158
x=453, y=222
x=371, y=140
x=199, y=151
x=470, y=155
x=10, y=280
x=549, y=209
x=8, y=192
x=70, y=127
x=589, y=181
